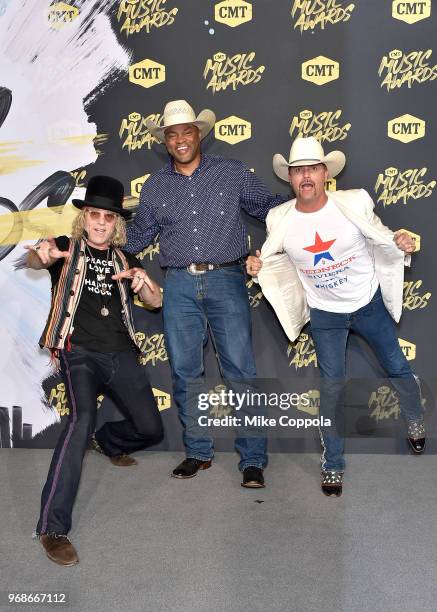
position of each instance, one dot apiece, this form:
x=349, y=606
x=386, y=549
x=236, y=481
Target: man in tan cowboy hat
x=329, y=260
x=195, y=205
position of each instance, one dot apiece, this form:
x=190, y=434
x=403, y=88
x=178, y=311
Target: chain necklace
x=104, y=311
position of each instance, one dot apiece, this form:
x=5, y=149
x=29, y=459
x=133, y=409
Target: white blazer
x=278, y=276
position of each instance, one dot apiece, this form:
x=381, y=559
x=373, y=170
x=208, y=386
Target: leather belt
x=200, y=268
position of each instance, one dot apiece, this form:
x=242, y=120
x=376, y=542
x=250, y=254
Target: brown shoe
x=59, y=549
x=123, y=460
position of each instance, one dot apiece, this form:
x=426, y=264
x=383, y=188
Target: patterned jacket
x=66, y=295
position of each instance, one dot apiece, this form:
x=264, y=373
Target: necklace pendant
x=104, y=311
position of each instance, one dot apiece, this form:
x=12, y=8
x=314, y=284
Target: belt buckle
x=192, y=269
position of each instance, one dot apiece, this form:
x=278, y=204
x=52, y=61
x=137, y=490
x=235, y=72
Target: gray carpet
x=149, y=543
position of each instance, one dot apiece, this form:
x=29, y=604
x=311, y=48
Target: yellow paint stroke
x=7, y=143
x=76, y=140
x=100, y=140
x=40, y=223
x=35, y=224
x=83, y=139
x=96, y=139
x=11, y=163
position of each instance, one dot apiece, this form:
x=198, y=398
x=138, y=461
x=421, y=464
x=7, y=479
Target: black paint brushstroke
x=5, y=103
x=57, y=188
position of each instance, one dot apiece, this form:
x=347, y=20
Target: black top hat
x=104, y=192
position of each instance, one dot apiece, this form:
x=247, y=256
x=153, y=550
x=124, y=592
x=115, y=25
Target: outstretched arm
x=255, y=198
x=44, y=254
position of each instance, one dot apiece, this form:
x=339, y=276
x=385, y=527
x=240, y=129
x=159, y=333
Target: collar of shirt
x=170, y=169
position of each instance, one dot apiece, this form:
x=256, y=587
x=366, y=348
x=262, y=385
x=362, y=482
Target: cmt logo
x=162, y=398
x=411, y=11
x=233, y=12
x=61, y=13
x=320, y=70
x=415, y=237
x=147, y=73
x=136, y=185
x=391, y=171
x=331, y=185
x=233, y=130
x=408, y=349
x=219, y=56
x=406, y=128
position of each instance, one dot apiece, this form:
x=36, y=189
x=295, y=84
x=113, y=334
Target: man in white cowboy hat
x=328, y=259
x=195, y=205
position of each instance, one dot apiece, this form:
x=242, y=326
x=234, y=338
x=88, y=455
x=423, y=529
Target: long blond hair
x=118, y=238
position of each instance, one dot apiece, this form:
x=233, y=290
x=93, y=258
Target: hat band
x=306, y=159
x=100, y=202
x=181, y=121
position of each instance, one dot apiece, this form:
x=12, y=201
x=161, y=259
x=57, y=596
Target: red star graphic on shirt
x=320, y=249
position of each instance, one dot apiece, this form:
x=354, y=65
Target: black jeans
x=86, y=374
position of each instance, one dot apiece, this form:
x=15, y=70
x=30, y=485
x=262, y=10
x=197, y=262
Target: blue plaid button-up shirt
x=198, y=217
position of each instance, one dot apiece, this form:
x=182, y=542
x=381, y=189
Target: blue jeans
x=217, y=300
x=86, y=374
x=330, y=332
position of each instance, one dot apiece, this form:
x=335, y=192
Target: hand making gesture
x=44, y=254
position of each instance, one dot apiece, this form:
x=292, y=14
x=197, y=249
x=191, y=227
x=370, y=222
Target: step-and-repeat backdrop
x=78, y=79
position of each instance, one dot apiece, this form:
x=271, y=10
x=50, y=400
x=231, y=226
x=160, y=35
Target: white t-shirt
x=331, y=259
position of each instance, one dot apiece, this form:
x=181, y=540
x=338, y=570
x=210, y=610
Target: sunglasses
x=96, y=214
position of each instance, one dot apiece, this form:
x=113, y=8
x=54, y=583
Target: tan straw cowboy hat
x=308, y=152
x=177, y=112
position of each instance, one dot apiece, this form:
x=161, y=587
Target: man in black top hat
x=90, y=330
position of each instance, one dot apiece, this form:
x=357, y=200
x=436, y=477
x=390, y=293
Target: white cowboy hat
x=177, y=112
x=308, y=152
